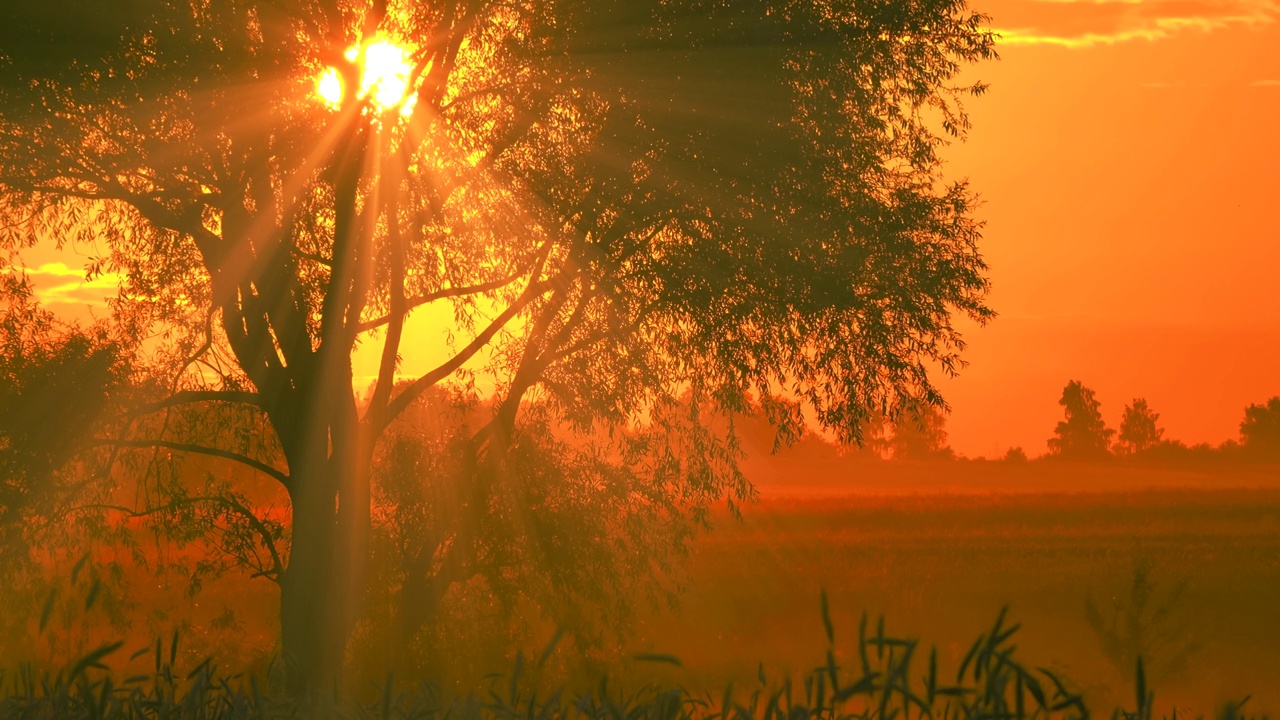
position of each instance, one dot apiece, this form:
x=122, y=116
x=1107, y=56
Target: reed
x=892, y=678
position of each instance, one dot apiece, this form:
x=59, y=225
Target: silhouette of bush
x=1015, y=454
x=1145, y=624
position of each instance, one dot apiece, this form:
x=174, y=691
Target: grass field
x=940, y=548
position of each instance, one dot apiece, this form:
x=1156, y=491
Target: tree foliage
x=623, y=204
x=1083, y=434
x=920, y=434
x=1138, y=429
x=579, y=531
x=1260, y=429
x=55, y=380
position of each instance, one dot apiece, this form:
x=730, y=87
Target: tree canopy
x=920, y=434
x=1083, y=434
x=1260, y=429
x=54, y=382
x=638, y=212
x=1138, y=428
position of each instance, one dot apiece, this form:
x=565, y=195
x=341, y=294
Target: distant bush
x=1015, y=454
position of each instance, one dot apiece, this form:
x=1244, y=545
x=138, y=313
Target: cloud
x=55, y=282
x=1091, y=23
x=53, y=269
x=1265, y=83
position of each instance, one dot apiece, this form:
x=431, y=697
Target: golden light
x=386, y=69
x=329, y=88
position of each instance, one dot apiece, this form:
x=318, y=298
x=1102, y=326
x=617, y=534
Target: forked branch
x=419, y=386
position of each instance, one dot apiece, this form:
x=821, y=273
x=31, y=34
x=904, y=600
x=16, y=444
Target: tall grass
x=893, y=678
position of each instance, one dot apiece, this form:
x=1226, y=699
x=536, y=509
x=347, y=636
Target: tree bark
x=322, y=588
x=311, y=643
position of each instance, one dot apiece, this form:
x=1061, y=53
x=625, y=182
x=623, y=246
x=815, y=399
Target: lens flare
x=386, y=69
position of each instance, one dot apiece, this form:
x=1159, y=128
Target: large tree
x=639, y=212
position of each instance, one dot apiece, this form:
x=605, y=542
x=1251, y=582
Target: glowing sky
x=1129, y=157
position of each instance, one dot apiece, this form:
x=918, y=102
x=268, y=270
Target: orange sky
x=1129, y=157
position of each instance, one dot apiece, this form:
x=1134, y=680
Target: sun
x=385, y=70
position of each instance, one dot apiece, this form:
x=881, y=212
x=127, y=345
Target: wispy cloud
x=55, y=282
x=53, y=269
x=1265, y=83
x=1090, y=23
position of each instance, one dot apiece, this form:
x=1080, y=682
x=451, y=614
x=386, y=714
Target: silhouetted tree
x=590, y=527
x=622, y=202
x=54, y=383
x=1138, y=429
x=919, y=433
x=1083, y=434
x=1260, y=430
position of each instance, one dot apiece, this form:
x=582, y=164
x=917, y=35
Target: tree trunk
x=321, y=590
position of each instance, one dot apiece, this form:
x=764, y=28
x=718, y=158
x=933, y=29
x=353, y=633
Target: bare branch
x=258, y=465
x=442, y=294
x=313, y=257
x=399, y=311
x=419, y=386
x=277, y=563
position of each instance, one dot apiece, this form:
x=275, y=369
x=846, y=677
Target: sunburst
x=385, y=71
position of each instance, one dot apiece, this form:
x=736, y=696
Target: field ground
x=939, y=548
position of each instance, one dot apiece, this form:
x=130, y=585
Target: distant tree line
x=919, y=433
x=1083, y=434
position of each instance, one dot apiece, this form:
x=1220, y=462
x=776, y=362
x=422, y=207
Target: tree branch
x=258, y=465
x=419, y=386
x=398, y=311
x=313, y=257
x=442, y=294
x=277, y=563
x=186, y=397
